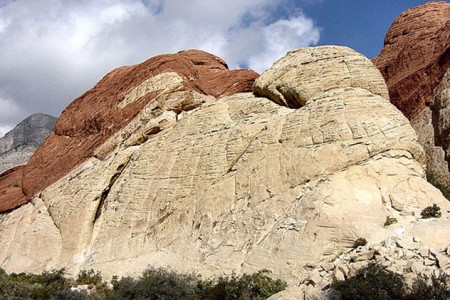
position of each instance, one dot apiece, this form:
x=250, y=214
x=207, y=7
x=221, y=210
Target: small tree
x=371, y=282
x=359, y=242
x=431, y=212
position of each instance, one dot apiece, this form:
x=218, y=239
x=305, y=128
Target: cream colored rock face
x=306, y=73
x=241, y=184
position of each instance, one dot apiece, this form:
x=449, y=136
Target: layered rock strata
x=154, y=92
x=416, y=55
x=238, y=184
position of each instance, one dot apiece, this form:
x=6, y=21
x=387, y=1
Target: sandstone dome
x=236, y=183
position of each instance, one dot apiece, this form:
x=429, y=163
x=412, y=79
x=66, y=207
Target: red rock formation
x=416, y=55
x=95, y=116
x=11, y=194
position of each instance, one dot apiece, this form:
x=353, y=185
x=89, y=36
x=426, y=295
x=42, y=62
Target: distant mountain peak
x=19, y=144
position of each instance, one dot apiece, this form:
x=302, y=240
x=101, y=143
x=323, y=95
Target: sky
x=52, y=51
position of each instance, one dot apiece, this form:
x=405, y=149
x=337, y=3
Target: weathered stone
x=429, y=262
x=291, y=293
x=175, y=82
x=408, y=244
x=327, y=267
x=364, y=256
x=396, y=203
x=442, y=260
x=291, y=82
x=315, y=278
x=414, y=266
x=415, y=55
x=339, y=275
x=238, y=184
x=11, y=194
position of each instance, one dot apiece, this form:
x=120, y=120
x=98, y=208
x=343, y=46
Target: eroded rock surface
x=238, y=184
x=433, y=130
x=416, y=55
x=16, y=148
x=170, y=83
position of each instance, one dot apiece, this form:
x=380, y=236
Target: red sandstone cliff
x=415, y=55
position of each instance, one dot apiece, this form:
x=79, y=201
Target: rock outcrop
x=409, y=257
x=416, y=55
x=19, y=144
x=236, y=184
x=163, y=86
x=433, y=130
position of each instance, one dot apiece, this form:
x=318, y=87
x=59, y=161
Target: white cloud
x=54, y=50
x=4, y=130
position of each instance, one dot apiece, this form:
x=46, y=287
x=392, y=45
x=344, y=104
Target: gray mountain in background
x=19, y=144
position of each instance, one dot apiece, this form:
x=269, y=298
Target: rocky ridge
x=414, y=60
x=153, y=92
x=416, y=55
x=409, y=257
x=19, y=144
x=239, y=183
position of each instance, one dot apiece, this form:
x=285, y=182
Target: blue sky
x=359, y=24
x=54, y=50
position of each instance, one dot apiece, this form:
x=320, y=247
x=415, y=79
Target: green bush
x=431, y=212
x=390, y=221
x=164, y=284
x=371, y=282
x=157, y=284
x=359, y=242
x=438, y=290
x=89, y=277
x=48, y=285
x=256, y=286
x=434, y=180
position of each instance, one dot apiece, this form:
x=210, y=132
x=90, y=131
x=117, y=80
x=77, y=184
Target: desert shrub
x=255, y=286
x=437, y=183
x=439, y=289
x=155, y=284
x=89, y=277
x=371, y=282
x=390, y=221
x=431, y=212
x=48, y=285
x=359, y=242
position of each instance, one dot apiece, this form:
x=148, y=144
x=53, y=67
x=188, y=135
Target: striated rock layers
x=17, y=146
x=154, y=91
x=237, y=184
x=415, y=57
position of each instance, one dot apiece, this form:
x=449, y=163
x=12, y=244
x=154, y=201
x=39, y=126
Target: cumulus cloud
x=54, y=50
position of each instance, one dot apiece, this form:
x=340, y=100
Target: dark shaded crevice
x=7, y=211
x=440, y=137
x=106, y=191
